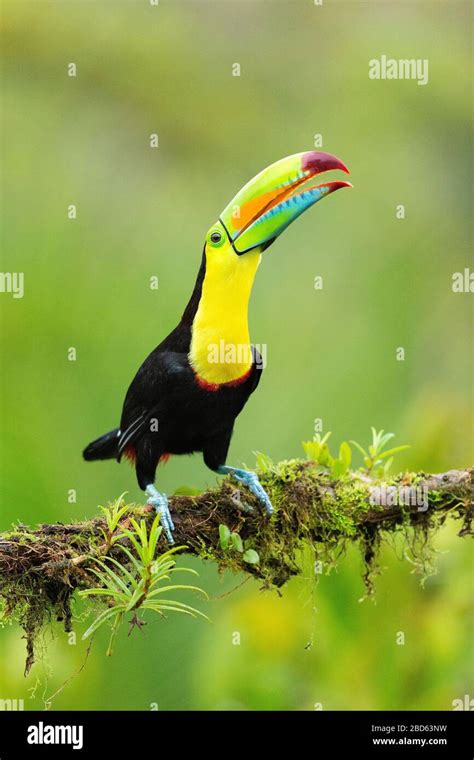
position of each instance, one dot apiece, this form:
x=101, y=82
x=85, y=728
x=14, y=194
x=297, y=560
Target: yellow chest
x=220, y=344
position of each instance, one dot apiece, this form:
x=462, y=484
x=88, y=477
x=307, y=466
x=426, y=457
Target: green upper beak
x=276, y=197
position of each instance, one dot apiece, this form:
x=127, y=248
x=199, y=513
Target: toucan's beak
x=276, y=197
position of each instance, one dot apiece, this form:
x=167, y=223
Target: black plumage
x=167, y=410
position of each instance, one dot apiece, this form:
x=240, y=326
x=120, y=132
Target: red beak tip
x=319, y=161
x=338, y=184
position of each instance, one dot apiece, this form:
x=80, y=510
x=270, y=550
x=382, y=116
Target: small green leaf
x=376, y=436
x=325, y=457
x=338, y=468
x=324, y=439
x=385, y=440
x=312, y=449
x=110, y=612
x=236, y=542
x=251, y=557
x=224, y=536
x=264, y=462
x=395, y=450
x=345, y=454
x=359, y=448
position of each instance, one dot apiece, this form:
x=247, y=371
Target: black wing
x=148, y=392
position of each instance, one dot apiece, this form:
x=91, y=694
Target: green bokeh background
x=331, y=352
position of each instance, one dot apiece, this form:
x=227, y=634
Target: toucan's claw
x=159, y=502
x=249, y=479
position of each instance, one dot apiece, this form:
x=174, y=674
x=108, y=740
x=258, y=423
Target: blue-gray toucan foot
x=159, y=502
x=249, y=479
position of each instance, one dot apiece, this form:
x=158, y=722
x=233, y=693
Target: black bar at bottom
x=378, y=734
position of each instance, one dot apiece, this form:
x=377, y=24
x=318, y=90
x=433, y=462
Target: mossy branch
x=41, y=568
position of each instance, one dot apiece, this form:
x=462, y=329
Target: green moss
x=22, y=536
x=311, y=509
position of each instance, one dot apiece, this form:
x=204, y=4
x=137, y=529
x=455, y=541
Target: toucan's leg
x=249, y=479
x=159, y=501
x=146, y=471
x=215, y=452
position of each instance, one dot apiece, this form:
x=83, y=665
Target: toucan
x=188, y=392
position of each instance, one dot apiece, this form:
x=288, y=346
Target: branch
x=41, y=568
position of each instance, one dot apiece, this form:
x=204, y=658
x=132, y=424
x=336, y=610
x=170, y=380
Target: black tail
x=105, y=447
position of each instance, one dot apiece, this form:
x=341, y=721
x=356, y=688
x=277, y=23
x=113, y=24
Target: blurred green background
x=331, y=353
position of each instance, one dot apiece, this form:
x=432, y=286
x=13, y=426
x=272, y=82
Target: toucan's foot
x=249, y=479
x=159, y=502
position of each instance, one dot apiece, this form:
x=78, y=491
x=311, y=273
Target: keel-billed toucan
x=186, y=395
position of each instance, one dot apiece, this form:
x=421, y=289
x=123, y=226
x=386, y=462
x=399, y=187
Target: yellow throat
x=220, y=343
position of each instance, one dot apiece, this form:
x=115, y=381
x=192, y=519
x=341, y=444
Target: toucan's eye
x=216, y=236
